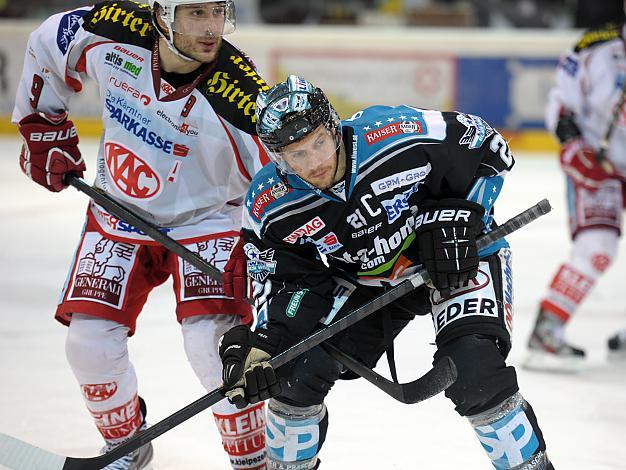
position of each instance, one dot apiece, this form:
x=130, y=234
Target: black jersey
x=301, y=241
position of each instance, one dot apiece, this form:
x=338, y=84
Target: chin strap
x=172, y=48
x=169, y=38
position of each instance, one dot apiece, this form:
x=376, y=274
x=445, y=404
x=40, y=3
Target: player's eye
x=297, y=155
x=197, y=13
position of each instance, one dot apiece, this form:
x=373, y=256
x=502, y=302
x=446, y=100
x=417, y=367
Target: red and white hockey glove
x=578, y=161
x=50, y=151
x=235, y=276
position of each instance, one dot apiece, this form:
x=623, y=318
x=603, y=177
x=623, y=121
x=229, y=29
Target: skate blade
x=546, y=362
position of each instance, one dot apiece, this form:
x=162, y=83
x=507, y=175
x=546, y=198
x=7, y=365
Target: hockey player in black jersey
x=347, y=208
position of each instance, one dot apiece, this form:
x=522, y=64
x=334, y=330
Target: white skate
x=548, y=351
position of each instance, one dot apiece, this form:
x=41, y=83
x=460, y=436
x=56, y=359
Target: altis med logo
x=129, y=67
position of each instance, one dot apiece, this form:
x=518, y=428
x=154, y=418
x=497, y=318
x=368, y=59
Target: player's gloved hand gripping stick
x=19, y=455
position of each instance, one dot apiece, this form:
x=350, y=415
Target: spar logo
x=308, y=229
x=131, y=174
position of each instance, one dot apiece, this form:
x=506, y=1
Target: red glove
x=235, y=276
x=50, y=151
x=579, y=162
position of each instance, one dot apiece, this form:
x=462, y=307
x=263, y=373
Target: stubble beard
x=187, y=46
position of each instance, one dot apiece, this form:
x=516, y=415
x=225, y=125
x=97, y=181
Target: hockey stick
x=413, y=392
x=408, y=393
x=604, y=143
x=152, y=230
x=19, y=455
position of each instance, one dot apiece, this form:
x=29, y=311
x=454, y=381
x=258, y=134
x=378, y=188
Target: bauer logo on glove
x=50, y=150
x=445, y=215
x=446, y=233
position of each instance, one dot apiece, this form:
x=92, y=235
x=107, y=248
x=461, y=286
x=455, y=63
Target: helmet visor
x=204, y=19
x=310, y=154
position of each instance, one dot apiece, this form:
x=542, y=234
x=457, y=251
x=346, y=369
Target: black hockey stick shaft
x=152, y=230
x=19, y=455
x=444, y=369
x=439, y=378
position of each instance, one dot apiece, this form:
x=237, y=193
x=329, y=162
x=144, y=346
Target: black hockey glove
x=446, y=233
x=247, y=375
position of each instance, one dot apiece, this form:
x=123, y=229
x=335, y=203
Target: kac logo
x=131, y=174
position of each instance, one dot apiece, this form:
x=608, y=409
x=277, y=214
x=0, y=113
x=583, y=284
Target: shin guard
x=97, y=351
x=243, y=435
x=294, y=435
x=510, y=435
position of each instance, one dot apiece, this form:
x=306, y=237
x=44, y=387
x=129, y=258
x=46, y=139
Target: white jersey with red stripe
x=589, y=82
x=183, y=158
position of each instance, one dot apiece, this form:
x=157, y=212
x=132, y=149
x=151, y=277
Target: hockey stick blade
x=16, y=454
x=436, y=380
x=19, y=455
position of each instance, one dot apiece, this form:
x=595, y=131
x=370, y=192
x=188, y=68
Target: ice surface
x=583, y=416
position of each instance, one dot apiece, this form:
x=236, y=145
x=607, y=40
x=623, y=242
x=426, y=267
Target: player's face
x=314, y=158
x=198, y=30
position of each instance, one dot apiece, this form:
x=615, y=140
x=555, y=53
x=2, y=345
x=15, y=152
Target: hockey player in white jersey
x=590, y=83
x=179, y=146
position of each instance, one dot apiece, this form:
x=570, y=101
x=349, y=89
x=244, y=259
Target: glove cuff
x=43, y=118
x=271, y=341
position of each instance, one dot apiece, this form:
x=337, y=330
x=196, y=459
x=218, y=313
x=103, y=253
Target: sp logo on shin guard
x=291, y=440
x=510, y=441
